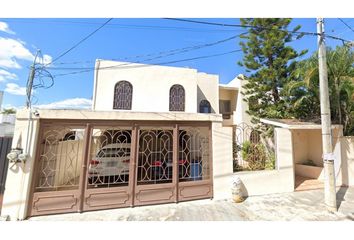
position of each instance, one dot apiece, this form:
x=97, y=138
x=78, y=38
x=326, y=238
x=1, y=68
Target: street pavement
x=295, y=206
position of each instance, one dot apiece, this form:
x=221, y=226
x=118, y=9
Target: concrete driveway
x=305, y=205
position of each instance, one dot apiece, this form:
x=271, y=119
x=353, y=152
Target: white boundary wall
x=347, y=150
x=222, y=160
x=273, y=181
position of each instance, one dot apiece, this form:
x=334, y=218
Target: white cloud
x=5, y=28
x=15, y=89
x=9, y=63
x=71, y=103
x=10, y=50
x=5, y=75
x=45, y=60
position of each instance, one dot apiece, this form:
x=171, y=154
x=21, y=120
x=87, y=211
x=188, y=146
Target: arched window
x=204, y=106
x=177, y=98
x=123, y=94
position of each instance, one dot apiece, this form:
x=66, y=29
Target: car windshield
x=113, y=152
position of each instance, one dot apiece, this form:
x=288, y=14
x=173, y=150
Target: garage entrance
x=83, y=166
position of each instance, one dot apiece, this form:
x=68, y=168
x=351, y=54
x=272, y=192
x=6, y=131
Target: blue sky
x=125, y=40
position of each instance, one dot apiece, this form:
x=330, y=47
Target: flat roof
x=294, y=123
x=86, y=114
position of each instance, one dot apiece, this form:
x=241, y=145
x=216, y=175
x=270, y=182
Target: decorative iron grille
x=60, y=159
x=249, y=151
x=123, y=94
x=110, y=155
x=177, y=98
x=155, y=156
x=194, y=160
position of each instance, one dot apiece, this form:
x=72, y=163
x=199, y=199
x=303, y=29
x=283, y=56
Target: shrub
x=254, y=154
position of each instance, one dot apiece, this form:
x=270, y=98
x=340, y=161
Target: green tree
x=8, y=111
x=305, y=93
x=269, y=62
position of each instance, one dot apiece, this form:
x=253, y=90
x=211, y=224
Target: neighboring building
x=155, y=134
x=7, y=124
x=7, y=121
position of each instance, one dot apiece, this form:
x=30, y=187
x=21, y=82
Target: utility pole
x=30, y=81
x=28, y=102
x=328, y=156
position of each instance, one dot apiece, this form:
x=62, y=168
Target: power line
x=127, y=65
x=346, y=24
x=81, y=41
x=132, y=26
x=254, y=27
x=165, y=53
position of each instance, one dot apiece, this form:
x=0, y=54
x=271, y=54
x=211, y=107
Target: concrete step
x=304, y=184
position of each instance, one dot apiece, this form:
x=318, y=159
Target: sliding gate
x=101, y=165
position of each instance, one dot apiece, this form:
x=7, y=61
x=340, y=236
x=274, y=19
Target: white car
x=111, y=160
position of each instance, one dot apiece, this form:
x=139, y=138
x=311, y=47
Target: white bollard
x=236, y=190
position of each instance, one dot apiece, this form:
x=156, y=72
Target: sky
x=123, y=39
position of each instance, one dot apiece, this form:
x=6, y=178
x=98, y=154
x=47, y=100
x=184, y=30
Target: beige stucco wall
x=300, y=141
x=151, y=86
x=19, y=175
x=315, y=146
x=233, y=91
x=207, y=88
x=279, y=180
x=222, y=160
x=347, y=150
x=229, y=94
x=308, y=146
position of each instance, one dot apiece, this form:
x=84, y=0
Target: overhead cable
x=136, y=65
x=346, y=24
x=257, y=27
x=81, y=41
x=162, y=54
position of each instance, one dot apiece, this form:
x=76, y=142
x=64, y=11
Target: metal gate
x=100, y=165
x=249, y=152
x=5, y=147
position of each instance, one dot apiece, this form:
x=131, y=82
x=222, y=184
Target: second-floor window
x=123, y=94
x=204, y=106
x=225, y=108
x=177, y=98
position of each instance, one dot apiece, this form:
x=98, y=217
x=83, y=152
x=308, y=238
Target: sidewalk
x=305, y=205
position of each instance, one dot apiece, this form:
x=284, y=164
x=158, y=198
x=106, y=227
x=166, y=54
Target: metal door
x=108, y=181
x=155, y=174
x=59, y=161
x=5, y=147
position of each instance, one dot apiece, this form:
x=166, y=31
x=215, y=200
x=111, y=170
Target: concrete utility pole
x=30, y=81
x=328, y=156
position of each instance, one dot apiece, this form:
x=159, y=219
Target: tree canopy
x=270, y=64
x=8, y=111
x=305, y=91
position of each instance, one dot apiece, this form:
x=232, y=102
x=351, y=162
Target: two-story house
x=155, y=134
